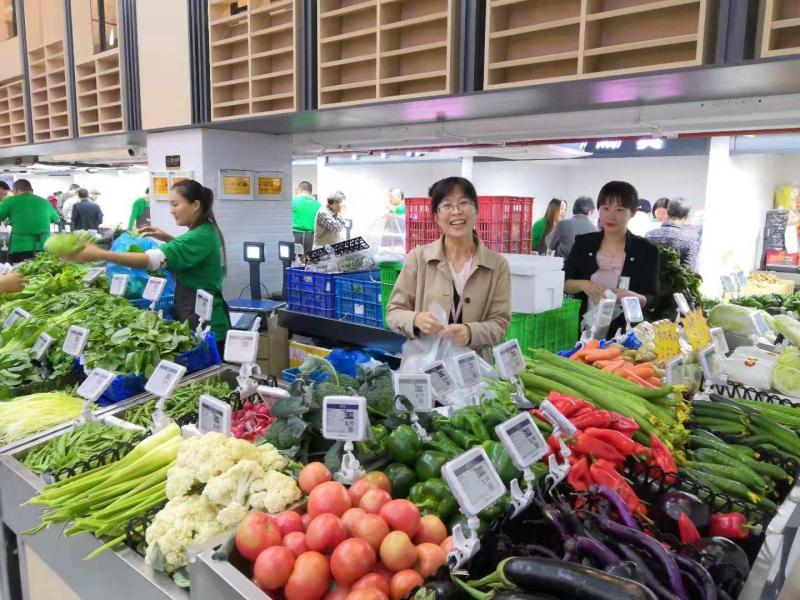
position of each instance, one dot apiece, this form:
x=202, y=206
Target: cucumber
x=709, y=421
x=716, y=410
x=769, y=470
x=783, y=438
x=724, y=428
x=724, y=484
x=714, y=443
x=767, y=504
x=743, y=473
x=756, y=440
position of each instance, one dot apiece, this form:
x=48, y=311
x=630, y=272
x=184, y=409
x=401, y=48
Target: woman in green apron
x=197, y=257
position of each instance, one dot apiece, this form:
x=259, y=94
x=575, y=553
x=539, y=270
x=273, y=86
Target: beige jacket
x=426, y=278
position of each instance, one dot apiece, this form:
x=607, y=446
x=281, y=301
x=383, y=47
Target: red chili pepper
x=730, y=525
x=605, y=476
x=604, y=473
x=595, y=418
x=619, y=440
x=686, y=529
x=625, y=425
x=584, y=444
x=661, y=456
x=578, y=476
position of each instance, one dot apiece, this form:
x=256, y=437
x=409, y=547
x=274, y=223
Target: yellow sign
x=179, y=179
x=236, y=185
x=696, y=329
x=667, y=341
x=160, y=186
x=270, y=186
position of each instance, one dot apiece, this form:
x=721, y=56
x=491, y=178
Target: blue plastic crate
x=165, y=304
x=290, y=375
x=204, y=356
x=310, y=282
x=122, y=388
x=360, y=287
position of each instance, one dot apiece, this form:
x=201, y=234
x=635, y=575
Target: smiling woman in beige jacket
x=472, y=283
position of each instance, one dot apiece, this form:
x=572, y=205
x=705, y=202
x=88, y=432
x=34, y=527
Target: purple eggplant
x=705, y=584
x=647, y=576
x=625, y=569
x=668, y=510
x=601, y=555
x=555, y=520
x=619, y=506
x=718, y=550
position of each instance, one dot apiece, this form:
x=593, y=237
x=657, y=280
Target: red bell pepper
x=578, y=476
x=661, y=456
x=625, y=425
x=686, y=529
x=586, y=445
x=733, y=526
x=567, y=405
x=595, y=418
x=619, y=440
x=605, y=474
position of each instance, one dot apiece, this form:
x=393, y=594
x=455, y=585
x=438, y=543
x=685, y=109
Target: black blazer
x=642, y=265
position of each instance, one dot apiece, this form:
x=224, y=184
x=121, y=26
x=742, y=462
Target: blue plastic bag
x=347, y=361
x=137, y=278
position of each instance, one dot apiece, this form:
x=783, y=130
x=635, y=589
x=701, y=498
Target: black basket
x=106, y=457
x=136, y=528
x=737, y=390
x=346, y=247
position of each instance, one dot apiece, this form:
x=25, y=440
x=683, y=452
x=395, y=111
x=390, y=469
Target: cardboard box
x=298, y=352
x=273, y=348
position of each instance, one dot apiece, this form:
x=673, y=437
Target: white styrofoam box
x=530, y=264
x=537, y=283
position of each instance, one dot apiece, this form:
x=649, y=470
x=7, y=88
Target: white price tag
x=119, y=284
x=154, y=288
x=718, y=338
x=522, y=439
x=344, y=418
x=624, y=283
x=417, y=389
x=42, y=345
x=632, y=309
x=473, y=480
x=680, y=301
x=358, y=309
x=509, y=358
x=213, y=415
x=241, y=346
x=728, y=283
x=709, y=362
x=741, y=278
x=605, y=313
x=441, y=379
x=204, y=305
x=16, y=315
x=75, y=341
x=95, y=384
x=556, y=418
x=759, y=324
x=675, y=374
x=165, y=378
x=468, y=369
x=93, y=274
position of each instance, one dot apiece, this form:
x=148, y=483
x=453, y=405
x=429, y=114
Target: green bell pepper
x=429, y=464
x=461, y=519
x=402, y=478
x=404, y=445
x=442, y=443
x=462, y=438
x=369, y=450
x=433, y=497
x=501, y=460
x=495, y=510
x=468, y=419
x=492, y=418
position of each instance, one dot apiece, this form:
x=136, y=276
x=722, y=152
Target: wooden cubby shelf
x=99, y=94
x=537, y=41
x=13, y=123
x=50, y=106
x=254, y=58
x=780, y=35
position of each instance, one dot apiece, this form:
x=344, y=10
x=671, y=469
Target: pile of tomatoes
x=351, y=544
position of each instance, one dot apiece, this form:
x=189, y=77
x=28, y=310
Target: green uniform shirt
x=399, y=210
x=196, y=259
x=537, y=232
x=136, y=211
x=30, y=216
x=304, y=213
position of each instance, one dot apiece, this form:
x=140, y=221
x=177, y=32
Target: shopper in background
x=12, y=282
x=5, y=190
x=556, y=210
x=197, y=257
x=598, y=260
x=70, y=202
x=674, y=234
x=304, y=215
x=660, y=211
x=563, y=236
x=471, y=283
x=329, y=223
x=397, y=201
x=94, y=195
x=30, y=218
x=641, y=223
x=86, y=214
x=140, y=211
x=53, y=200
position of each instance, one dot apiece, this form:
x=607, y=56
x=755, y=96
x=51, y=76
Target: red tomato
x=401, y=515
x=255, y=533
x=296, y=542
x=289, y=521
x=325, y=532
x=350, y=517
x=371, y=528
x=309, y=579
x=373, y=500
x=379, y=479
x=340, y=593
x=447, y=545
x=306, y=520
x=367, y=594
x=397, y=551
x=429, y=558
x=373, y=581
x=273, y=567
x=358, y=489
x=403, y=582
x=385, y=572
x=312, y=475
x=431, y=529
x=328, y=497
x=351, y=560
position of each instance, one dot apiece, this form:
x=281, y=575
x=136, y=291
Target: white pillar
x=467, y=168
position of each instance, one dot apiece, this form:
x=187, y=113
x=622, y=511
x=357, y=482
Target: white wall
x=304, y=173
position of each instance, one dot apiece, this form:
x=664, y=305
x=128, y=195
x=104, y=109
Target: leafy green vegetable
x=786, y=376
x=734, y=318
x=770, y=303
x=674, y=277
x=182, y=404
x=62, y=244
x=789, y=327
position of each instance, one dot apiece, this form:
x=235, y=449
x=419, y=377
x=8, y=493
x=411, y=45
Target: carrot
x=656, y=381
x=627, y=373
x=645, y=371
x=602, y=363
x=588, y=347
x=613, y=366
x=607, y=354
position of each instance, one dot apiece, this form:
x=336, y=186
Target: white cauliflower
x=231, y=490
x=274, y=492
x=182, y=522
x=271, y=459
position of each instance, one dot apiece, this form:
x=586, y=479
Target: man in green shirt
x=397, y=202
x=140, y=213
x=304, y=216
x=30, y=218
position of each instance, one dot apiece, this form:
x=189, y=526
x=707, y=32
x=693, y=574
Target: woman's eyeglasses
x=463, y=206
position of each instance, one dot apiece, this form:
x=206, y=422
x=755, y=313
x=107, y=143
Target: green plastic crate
x=390, y=271
x=554, y=330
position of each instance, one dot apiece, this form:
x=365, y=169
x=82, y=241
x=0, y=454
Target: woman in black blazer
x=598, y=260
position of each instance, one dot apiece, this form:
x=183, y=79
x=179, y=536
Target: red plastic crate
x=504, y=223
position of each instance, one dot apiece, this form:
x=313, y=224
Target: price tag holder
x=709, y=362
x=624, y=283
x=681, y=303
x=42, y=345
x=728, y=283
x=556, y=418
x=204, y=305
x=719, y=340
x=93, y=274
x=417, y=389
x=522, y=439
x=759, y=324
x=165, y=378
x=119, y=285
x=75, y=341
x=344, y=418
x=442, y=381
x=17, y=314
x=675, y=373
x=605, y=313
x=468, y=369
x=95, y=384
x=213, y=415
x=632, y=309
x=741, y=278
x=509, y=359
x=241, y=346
x=473, y=480
x=154, y=289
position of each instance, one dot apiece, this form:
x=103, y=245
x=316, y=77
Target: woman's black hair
x=194, y=191
x=678, y=208
x=660, y=203
x=443, y=187
x=621, y=192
